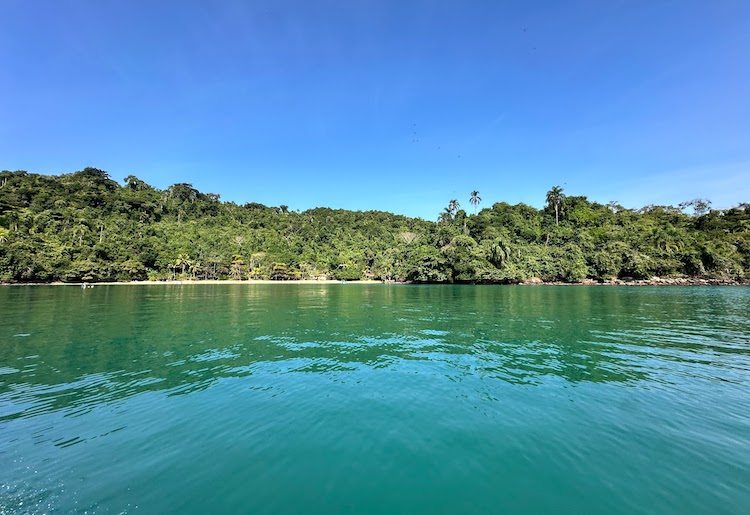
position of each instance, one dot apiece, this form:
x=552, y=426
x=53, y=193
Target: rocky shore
x=654, y=281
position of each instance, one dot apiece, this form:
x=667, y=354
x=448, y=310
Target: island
x=86, y=227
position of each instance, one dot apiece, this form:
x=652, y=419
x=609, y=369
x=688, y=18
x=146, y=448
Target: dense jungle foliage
x=84, y=226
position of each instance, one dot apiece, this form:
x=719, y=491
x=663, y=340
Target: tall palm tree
x=475, y=200
x=555, y=198
x=453, y=207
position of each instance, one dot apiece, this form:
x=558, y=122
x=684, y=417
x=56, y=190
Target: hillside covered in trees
x=84, y=226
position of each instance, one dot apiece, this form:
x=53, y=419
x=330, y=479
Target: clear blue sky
x=392, y=105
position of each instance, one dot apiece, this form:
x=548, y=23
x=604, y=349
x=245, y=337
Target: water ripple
x=611, y=399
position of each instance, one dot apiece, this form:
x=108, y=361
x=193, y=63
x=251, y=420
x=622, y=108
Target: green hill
x=84, y=226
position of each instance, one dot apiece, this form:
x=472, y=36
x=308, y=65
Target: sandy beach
x=188, y=282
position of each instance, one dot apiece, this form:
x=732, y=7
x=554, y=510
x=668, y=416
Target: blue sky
x=391, y=105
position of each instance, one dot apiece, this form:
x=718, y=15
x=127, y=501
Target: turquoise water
x=374, y=399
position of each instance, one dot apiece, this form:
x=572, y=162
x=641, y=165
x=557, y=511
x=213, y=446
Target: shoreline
x=193, y=282
x=655, y=281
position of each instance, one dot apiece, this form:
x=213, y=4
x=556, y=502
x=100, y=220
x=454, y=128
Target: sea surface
x=351, y=398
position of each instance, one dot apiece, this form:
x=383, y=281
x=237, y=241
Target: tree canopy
x=84, y=226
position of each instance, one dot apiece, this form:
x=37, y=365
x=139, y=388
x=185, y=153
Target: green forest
x=85, y=226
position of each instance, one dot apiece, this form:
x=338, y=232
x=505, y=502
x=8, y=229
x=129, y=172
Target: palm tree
x=498, y=251
x=237, y=266
x=555, y=198
x=475, y=200
x=173, y=265
x=194, y=267
x=183, y=260
x=453, y=206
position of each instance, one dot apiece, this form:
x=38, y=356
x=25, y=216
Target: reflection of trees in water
x=93, y=347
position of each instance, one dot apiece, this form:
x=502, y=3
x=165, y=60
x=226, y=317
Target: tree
x=555, y=199
x=80, y=230
x=173, y=265
x=134, y=183
x=453, y=207
x=700, y=206
x=497, y=251
x=475, y=200
x=238, y=265
x=239, y=240
x=182, y=261
x=194, y=267
x=449, y=212
x=84, y=226
x=445, y=217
